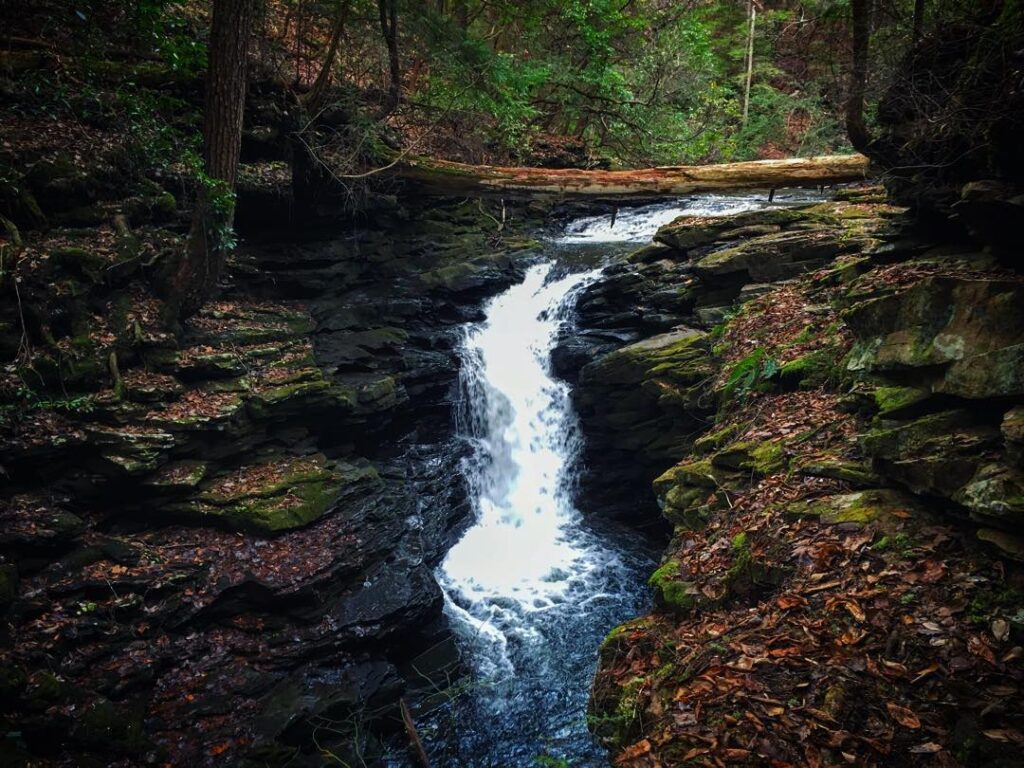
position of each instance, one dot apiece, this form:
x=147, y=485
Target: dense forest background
x=585, y=82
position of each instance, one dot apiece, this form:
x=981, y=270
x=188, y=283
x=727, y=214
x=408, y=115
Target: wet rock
x=961, y=335
x=641, y=406
x=936, y=454
x=277, y=495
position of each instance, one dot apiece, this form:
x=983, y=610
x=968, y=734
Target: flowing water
x=530, y=589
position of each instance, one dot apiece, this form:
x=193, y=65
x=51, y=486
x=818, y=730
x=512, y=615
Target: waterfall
x=530, y=589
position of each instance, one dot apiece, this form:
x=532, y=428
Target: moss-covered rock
x=871, y=506
x=690, y=232
x=671, y=594
x=178, y=476
x=641, y=407
x=752, y=457
x=279, y=494
x=899, y=402
x=962, y=335
x=717, y=439
x=855, y=473
x=935, y=454
x=809, y=371
x=132, y=450
x=995, y=496
x=689, y=491
x=80, y=261
x=770, y=258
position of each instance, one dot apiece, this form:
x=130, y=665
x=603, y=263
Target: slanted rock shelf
x=211, y=542
x=828, y=408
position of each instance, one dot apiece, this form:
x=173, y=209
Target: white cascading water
x=524, y=552
x=529, y=590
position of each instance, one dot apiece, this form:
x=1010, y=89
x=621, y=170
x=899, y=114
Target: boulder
x=961, y=336
x=641, y=406
x=934, y=455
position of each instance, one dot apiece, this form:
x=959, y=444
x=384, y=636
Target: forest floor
x=817, y=604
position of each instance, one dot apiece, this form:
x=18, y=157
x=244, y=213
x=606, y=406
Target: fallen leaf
x=903, y=716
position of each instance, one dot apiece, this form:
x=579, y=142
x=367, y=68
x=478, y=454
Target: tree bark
x=316, y=96
x=856, y=128
x=457, y=178
x=195, y=276
x=750, y=61
x=388, y=11
x=918, y=19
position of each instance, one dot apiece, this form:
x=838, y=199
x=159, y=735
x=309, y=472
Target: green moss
x=855, y=473
x=713, y=441
x=810, y=371
x=862, y=507
x=288, y=399
x=894, y=402
x=762, y=458
x=179, y=475
x=303, y=492
x=79, y=261
x=739, y=542
x=613, y=636
x=671, y=594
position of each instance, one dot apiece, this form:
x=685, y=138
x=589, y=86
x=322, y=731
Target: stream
x=531, y=588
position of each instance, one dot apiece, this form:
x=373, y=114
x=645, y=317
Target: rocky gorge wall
x=216, y=546
x=825, y=401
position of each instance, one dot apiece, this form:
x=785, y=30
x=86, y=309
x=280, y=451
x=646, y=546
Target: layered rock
x=946, y=133
x=214, y=540
x=641, y=375
x=845, y=524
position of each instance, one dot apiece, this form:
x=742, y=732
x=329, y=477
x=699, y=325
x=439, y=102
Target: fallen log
x=450, y=177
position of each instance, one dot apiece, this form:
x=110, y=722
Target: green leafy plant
x=751, y=373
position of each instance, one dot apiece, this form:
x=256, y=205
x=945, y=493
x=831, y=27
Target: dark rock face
x=640, y=346
x=640, y=407
x=949, y=125
x=862, y=424
x=234, y=539
x=947, y=353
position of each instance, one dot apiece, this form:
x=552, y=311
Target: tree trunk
x=316, y=96
x=388, y=10
x=918, y=19
x=194, y=278
x=855, y=125
x=457, y=178
x=750, y=62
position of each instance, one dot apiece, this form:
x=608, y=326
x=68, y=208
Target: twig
x=414, y=737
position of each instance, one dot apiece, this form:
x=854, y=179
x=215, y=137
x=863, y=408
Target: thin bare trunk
x=414, y=738
x=918, y=19
x=856, y=128
x=316, y=96
x=750, y=61
x=388, y=10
